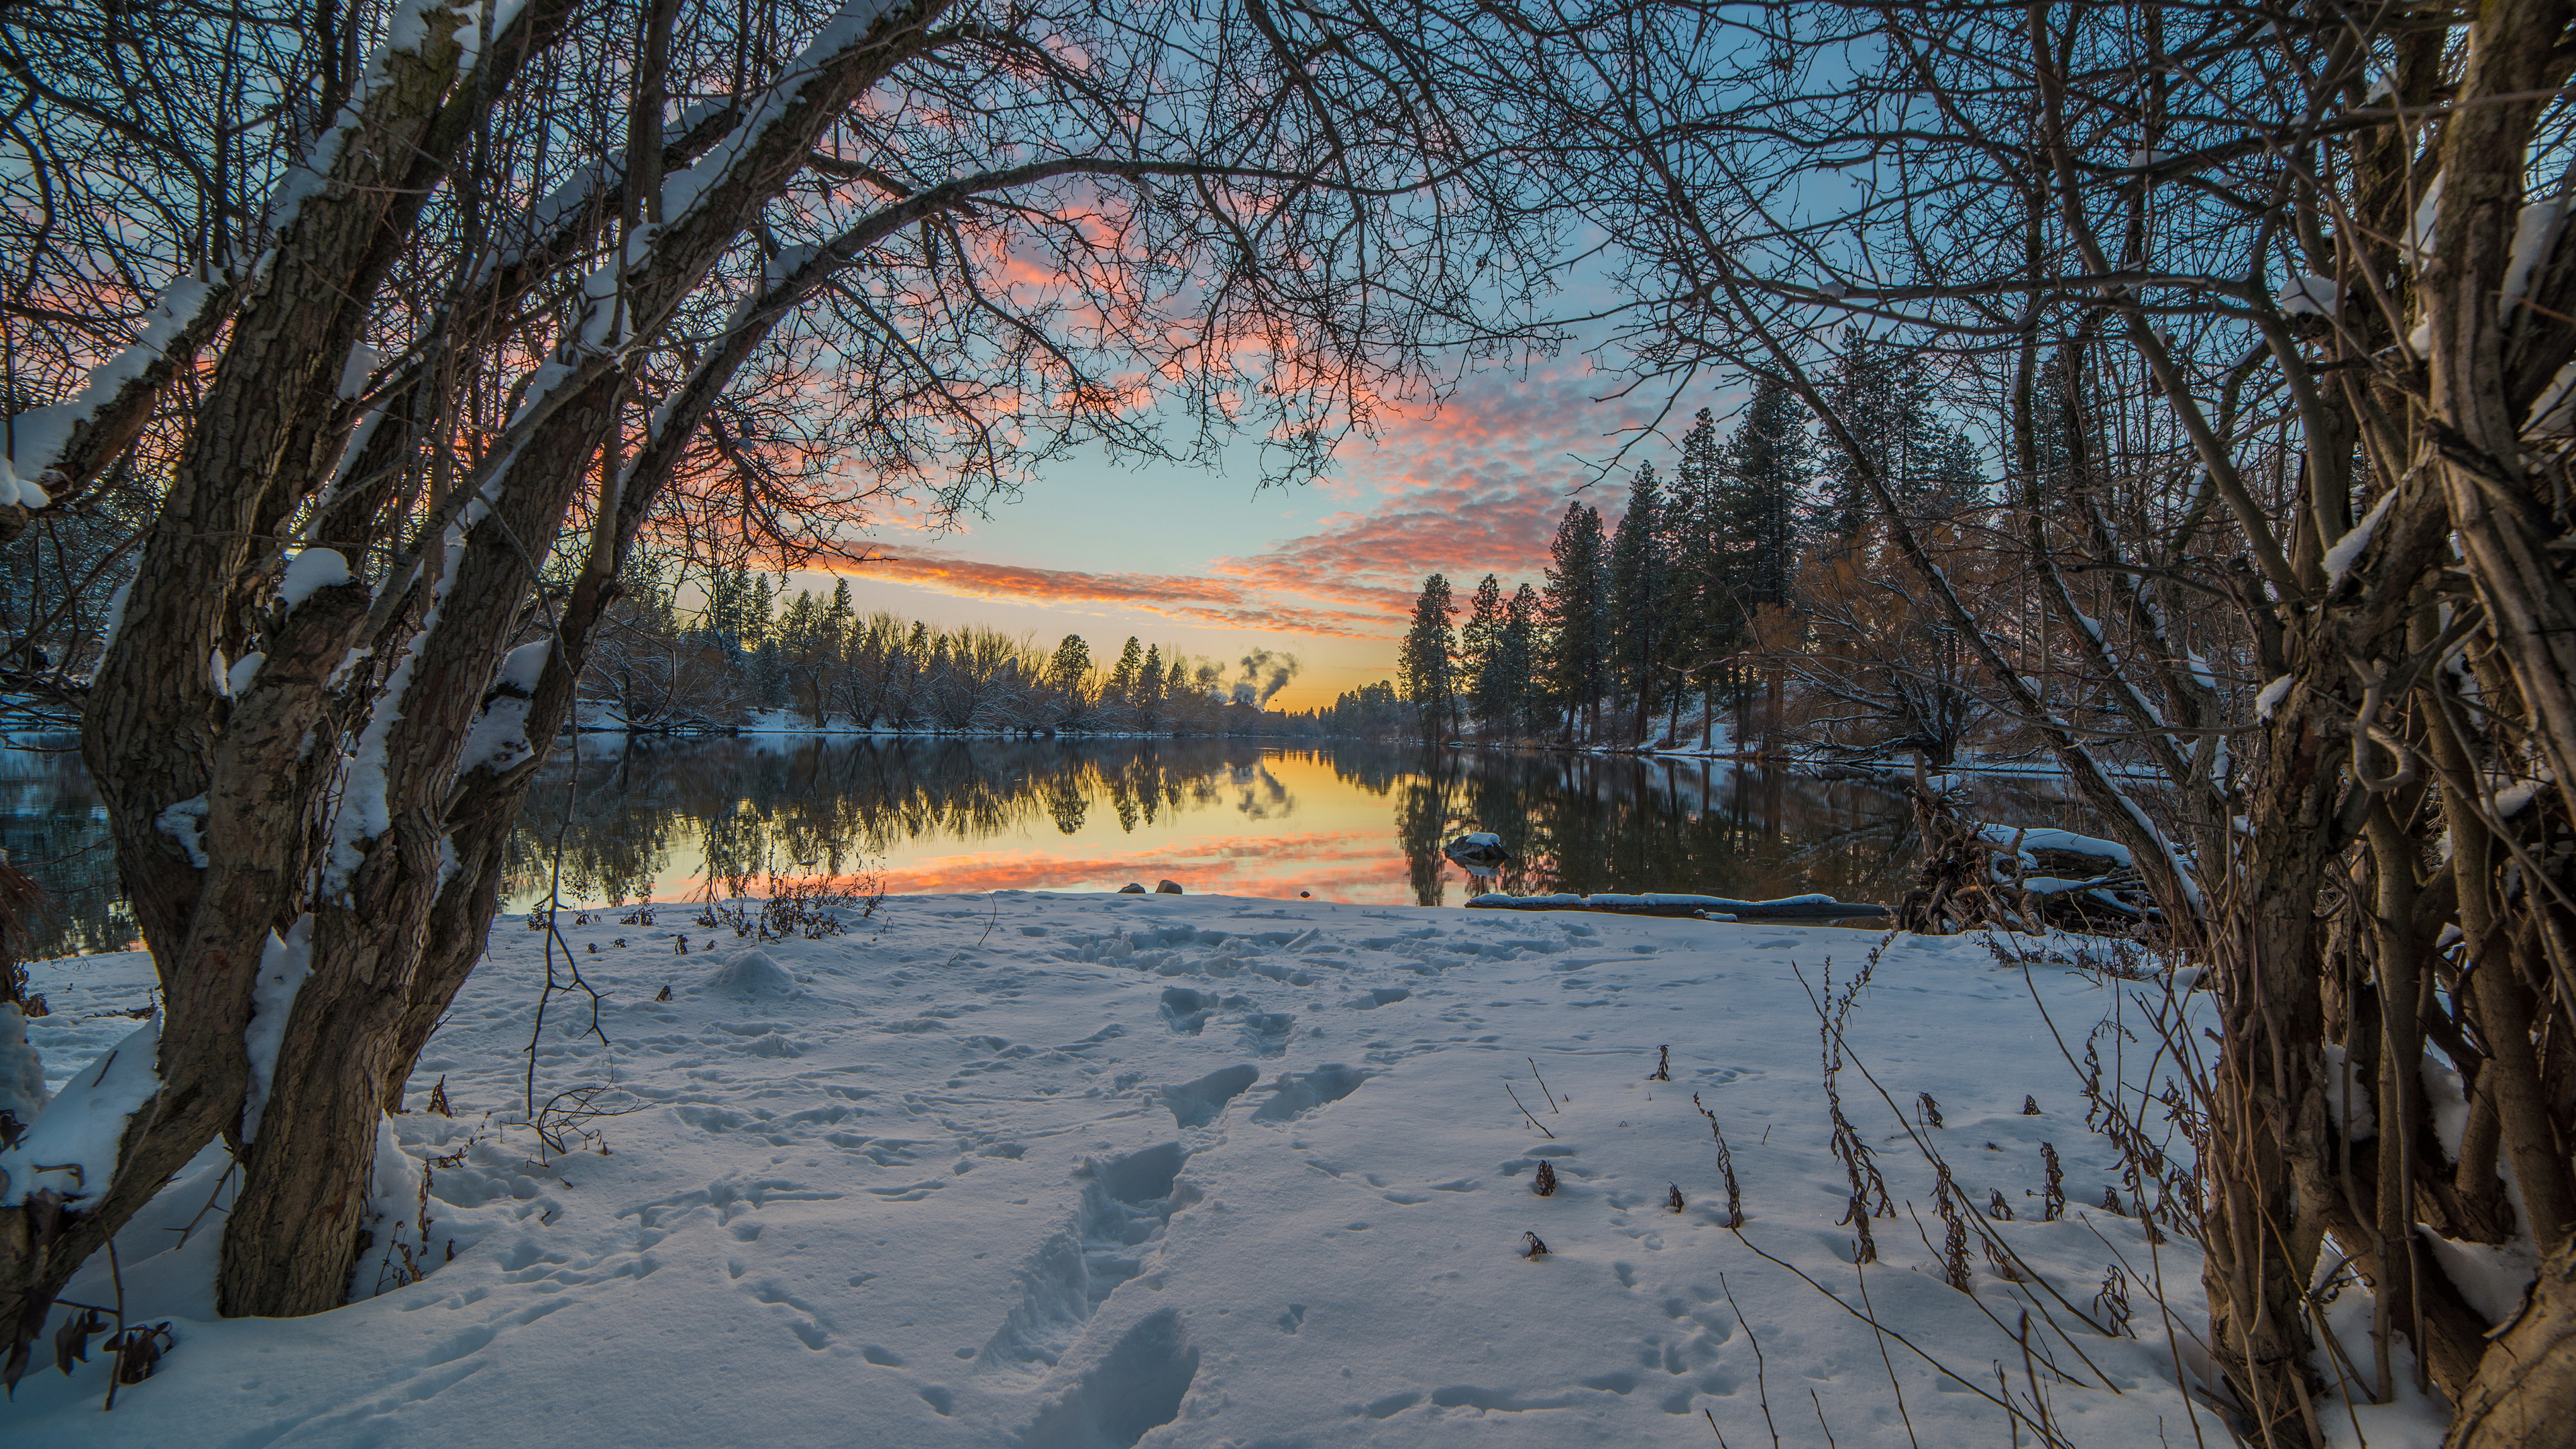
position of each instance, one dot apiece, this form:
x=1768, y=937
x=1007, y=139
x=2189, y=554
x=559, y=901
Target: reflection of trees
x=1578, y=823
x=52, y=827
x=827, y=805
x=1424, y=820
x=1585, y=824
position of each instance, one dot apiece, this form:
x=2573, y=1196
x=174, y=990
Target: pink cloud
x=1474, y=486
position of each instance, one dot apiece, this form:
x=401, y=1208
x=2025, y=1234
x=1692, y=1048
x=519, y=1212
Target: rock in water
x=1480, y=852
x=1167, y=888
x=1131, y=888
x=752, y=973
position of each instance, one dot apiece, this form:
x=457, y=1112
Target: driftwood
x=1720, y=908
x=1977, y=877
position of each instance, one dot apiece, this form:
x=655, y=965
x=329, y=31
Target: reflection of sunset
x=1341, y=865
x=677, y=821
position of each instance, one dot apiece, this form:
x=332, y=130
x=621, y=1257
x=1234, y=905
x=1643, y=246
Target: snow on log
x=1785, y=908
x=71, y=1146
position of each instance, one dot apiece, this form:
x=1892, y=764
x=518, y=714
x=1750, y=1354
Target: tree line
x=813, y=660
x=1712, y=589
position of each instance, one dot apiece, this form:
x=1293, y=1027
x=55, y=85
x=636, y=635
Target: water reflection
x=1347, y=822
x=53, y=826
x=656, y=819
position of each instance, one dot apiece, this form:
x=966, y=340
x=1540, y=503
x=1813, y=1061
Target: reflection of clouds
x=1265, y=798
x=1352, y=865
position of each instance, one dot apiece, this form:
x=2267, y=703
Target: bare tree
x=2274, y=306
x=406, y=339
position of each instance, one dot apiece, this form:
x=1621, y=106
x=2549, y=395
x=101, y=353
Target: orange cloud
x=1176, y=596
x=1477, y=485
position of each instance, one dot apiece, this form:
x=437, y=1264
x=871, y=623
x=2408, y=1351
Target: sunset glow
x=1204, y=562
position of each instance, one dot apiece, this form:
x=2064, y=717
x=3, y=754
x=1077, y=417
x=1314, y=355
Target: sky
x=1204, y=561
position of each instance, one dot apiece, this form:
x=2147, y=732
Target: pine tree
x=1954, y=484
x=1489, y=691
x=1763, y=473
x=1121, y=693
x=768, y=676
x=1578, y=616
x=1884, y=398
x=1070, y=669
x=799, y=624
x=841, y=607
x=1639, y=583
x=1149, y=689
x=1707, y=614
x=1517, y=695
x=1863, y=396
x=1427, y=664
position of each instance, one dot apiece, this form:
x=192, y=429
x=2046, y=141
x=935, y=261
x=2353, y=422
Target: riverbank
x=1059, y=1171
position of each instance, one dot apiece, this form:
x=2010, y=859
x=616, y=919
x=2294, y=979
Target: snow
x=313, y=570
x=2535, y=233
x=499, y=738
x=2200, y=671
x=283, y=964
x=2419, y=229
x=2490, y=1276
x=522, y=667
x=185, y=822
x=2271, y=695
x=71, y=1146
x=115, y=614
x=362, y=364
x=2309, y=295
x=38, y=436
x=2343, y=1090
x=844, y=31
x=2032, y=839
x=1060, y=1171
x=407, y=31
x=2551, y=414
x=237, y=680
x=2347, y=549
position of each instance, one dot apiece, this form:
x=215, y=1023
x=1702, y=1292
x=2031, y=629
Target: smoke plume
x=1264, y=675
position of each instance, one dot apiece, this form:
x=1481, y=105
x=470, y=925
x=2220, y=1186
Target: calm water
x=675, y=820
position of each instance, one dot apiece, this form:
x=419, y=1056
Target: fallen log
x=1786, y=908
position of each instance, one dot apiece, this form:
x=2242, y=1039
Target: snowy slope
x=1069, y=1171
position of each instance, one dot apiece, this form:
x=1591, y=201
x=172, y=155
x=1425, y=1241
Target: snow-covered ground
x=1064, y=1171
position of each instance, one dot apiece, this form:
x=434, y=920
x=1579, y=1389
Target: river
x=626, y=820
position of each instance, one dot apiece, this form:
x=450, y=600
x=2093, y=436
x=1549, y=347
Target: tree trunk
x=2525, y=1393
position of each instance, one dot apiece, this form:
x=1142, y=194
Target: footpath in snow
x=1066, y=1171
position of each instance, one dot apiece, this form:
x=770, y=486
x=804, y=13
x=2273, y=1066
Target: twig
x=1878, y=1334
x=1533, y=1121
x=1542, y=1086
x=1761, y=1384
